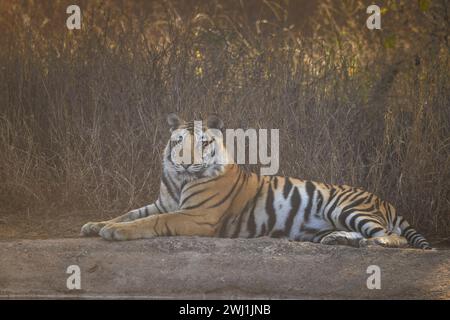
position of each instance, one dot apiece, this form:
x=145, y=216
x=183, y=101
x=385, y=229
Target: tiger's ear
x=214, y=122
x=174, y=121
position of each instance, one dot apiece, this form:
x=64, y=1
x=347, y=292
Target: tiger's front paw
x=91, y=229
x=117, y=231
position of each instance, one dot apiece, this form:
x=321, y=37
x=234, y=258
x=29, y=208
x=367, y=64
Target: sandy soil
x=180, y=267
x=35, y=251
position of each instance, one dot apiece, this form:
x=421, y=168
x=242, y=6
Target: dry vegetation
x=82, y=113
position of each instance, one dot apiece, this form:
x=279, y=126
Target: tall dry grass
x=82, y=113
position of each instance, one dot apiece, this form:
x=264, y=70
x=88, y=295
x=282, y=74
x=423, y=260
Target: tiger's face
x=195, y=147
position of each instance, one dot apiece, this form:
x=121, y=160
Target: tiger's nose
x=185, y=166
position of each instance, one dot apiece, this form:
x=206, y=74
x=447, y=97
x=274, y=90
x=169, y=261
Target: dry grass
x=82, y=113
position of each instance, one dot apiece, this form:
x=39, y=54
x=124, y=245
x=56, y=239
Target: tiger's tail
x=415, y=239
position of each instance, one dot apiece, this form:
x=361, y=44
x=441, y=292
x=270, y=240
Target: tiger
x=218, y=198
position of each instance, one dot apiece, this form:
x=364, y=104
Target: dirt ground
x=45, y=224
x=191, y=267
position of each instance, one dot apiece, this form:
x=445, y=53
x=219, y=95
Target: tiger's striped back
x=255, y=206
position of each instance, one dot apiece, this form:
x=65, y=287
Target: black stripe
x=167, y=185
x=190, y=196
x=387, y=214
x=223, y=228
x=377, y=203
x=357, y=194
x=415, y=237
x=305, y=229
x=310, y=188
x=169, y=232
x=270, y=208
x=241, y=215
x=183, y=184
x=394, y=223
x=201, y=203
x=162, y=205
x=351, y=223
x=287, y=187
x=404, y=231
x=361, y=224
x=375, y=230
x=353, y=204
x=174, y=185
x=319, y=203
x=342, y=217
x=251, y=223
x=275, y=183
x=277, y=234
x=156, y=226
x=369, y=199
x=332, y=194
x=296, y=201
x=263, y=230
x=157, y=207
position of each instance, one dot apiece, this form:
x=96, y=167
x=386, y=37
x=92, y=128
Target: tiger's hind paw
x=392, y=241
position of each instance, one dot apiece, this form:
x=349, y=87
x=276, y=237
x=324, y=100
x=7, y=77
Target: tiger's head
x=195, y=148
